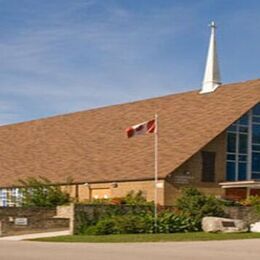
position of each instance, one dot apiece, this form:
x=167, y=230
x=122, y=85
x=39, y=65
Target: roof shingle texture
x=91, y=146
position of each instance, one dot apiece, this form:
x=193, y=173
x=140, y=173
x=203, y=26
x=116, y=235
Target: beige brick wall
x=194, y=168
x=85, y=192
x=122, y=189
x=70, y=189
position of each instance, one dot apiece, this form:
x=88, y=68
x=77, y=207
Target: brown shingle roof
x=91, y=146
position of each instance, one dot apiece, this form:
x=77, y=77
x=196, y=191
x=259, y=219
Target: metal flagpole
x=155, y=172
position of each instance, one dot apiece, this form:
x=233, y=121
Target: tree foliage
x=42, y=193
x=198, y=205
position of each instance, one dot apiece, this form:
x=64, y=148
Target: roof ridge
x=52, y=117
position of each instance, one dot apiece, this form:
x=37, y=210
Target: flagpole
x=156, y=173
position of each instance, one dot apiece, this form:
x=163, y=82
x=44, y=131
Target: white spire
x=212, y=76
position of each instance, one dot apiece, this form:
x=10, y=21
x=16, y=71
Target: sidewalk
x=36, y=235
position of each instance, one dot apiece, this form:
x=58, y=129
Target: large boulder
x=255, y=227
x=215, y=224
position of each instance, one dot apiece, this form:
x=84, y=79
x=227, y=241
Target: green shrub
x=136, y=217
x=133, y=198
x=169, y=222
x=104, y=227
x=132, y=224
x=84, y=221
x=197, y=205
x=254, y=202
x=251, y=201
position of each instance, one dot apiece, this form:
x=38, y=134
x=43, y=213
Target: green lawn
x=196, y=236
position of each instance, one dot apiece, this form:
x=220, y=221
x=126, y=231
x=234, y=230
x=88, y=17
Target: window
x=208, y=166
x=256, y=162
x=243, y=147
x=231, y=142
x=242, y=171
x=243, y=120
x=231, y=171
x=242, y=143
x=10, y=197
x=256, y=110
x=256, y=133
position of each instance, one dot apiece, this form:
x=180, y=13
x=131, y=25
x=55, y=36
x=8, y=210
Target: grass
x=122, y=238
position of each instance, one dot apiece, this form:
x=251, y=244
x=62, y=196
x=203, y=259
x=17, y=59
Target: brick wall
x=120, y=190
x=189, y=174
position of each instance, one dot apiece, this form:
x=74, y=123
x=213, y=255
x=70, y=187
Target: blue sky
x=61, y=56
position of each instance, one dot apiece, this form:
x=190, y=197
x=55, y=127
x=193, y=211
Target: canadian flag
x=140, y=129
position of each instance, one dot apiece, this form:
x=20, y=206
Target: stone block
x=216, y=224
x=255, y=227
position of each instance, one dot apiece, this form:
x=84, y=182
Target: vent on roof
x=212, y=75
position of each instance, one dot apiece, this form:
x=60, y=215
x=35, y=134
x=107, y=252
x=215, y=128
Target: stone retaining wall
x=15, y=221
x=247, y=214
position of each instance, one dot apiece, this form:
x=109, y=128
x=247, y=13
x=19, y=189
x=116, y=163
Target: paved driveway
x=215, y=250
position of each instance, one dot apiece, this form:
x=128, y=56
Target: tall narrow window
x=208, y=166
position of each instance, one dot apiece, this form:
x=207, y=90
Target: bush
x=42, y=193
x=135, y=215
x=127, y=224
x=254, y=202
x=195, y=204
x=138, y=217
x=251, y=201
x=132, y=224
x=84, y=221
x=168, y=222
x=133, y=198
x=105, y=226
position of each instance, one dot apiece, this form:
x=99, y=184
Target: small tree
x=198, y=205
x=42, y=193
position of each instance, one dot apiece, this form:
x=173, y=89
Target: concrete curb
x=36, y=235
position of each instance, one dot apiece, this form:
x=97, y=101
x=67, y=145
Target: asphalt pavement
x=210, y=250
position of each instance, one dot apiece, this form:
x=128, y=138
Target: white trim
x=249, y=145
x=240, y=184
x=237, y=152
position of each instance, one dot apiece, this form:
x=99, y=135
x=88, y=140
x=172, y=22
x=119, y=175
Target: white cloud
x=78, y=56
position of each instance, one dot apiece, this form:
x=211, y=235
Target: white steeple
x=212, y=76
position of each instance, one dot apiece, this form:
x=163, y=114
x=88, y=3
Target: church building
x=207, y=138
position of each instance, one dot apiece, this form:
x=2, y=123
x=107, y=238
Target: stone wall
x=247, y=214
x=15, y=221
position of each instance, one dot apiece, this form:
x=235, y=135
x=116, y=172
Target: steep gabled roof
x=91, y=146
